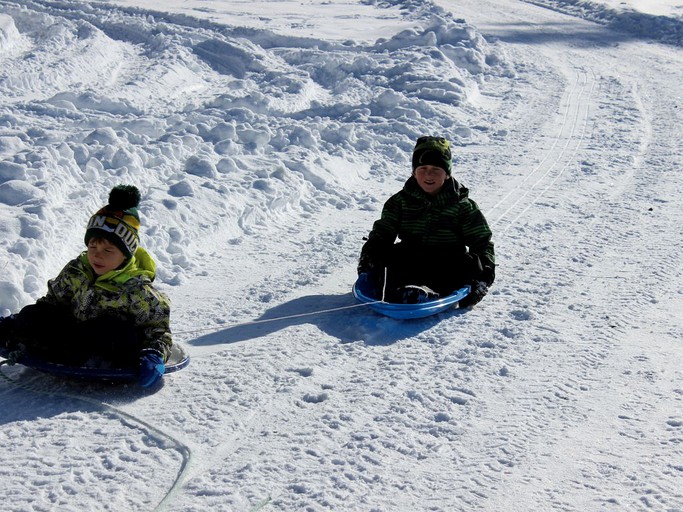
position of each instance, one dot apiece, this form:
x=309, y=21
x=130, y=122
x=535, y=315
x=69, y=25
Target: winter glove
x=478, y=292
x=372, y=257
x=152, y=367
x=6, y=333
x=6, y=324
x=366, y=264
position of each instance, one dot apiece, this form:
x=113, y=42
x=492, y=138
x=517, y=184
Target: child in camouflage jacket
x=102, y=307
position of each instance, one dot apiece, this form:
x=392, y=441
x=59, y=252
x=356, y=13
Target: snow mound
x=9, y=35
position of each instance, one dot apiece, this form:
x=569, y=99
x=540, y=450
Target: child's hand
x=152, y=367
x=479, y=291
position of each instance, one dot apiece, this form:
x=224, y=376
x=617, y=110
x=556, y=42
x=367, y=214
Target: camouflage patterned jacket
x=126, y=293
x=449, y=219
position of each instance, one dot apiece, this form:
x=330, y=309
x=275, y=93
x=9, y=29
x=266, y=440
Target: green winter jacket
x=125, y=293
x=448, y=220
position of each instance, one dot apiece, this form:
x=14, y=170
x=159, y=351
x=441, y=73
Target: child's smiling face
x=104, y=255
x=430, y=178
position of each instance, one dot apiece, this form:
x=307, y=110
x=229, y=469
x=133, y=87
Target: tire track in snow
x=523, y=196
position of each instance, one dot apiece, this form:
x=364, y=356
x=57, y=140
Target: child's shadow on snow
x=337, y=315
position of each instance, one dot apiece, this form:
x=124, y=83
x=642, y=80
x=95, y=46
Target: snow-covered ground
x=265, y=136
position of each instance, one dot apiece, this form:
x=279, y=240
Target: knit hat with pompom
x=119, y=221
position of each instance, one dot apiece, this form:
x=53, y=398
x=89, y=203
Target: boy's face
x=104, y=256
x=430, y=178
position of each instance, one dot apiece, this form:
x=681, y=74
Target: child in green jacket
x=431, y=238
x=102, y=308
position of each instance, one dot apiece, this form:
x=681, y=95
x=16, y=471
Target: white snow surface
x=265, y=137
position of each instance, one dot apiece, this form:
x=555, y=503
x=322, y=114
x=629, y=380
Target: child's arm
x=61, y=289
x=381, y=238
x=152, y=310
x=477, y=236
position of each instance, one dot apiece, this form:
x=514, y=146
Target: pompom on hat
x=119, y=221
x=434, y=151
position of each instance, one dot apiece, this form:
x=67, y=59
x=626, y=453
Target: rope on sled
x=181, y=448
x=298, y=315
x=278, y=318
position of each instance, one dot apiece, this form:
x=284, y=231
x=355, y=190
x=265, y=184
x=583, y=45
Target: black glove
x=7, y=331
x=478, y=292
x=365, y=264
x=373, y=257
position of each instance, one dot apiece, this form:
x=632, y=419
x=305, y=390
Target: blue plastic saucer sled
x=178, y=360
x=363, y=292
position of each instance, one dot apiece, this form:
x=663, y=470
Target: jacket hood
x=141, y=264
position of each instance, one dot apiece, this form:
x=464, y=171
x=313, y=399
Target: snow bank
x=9, y=35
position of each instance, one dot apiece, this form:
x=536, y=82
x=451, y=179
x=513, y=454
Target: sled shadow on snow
x=32, y=394
x=339, y=316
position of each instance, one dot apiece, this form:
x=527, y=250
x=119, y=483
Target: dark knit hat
x=434, y=151
x=119, y=221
